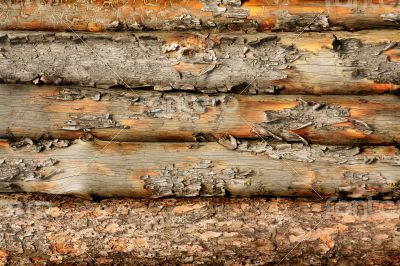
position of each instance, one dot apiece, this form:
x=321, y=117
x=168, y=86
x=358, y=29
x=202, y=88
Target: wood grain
x=132, y=115
x=110, y=169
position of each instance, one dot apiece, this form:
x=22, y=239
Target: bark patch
x=12, y=170
x=305, y=22
x=282, y=124
x=365, y=184
x=39, y=145
x=184, y=107
x=225, y=8
x=88, y=122
x=368, y=60
x=308, y=153
x=200, y=179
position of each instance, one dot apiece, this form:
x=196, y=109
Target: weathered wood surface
x=234, y=168
x=282, y=15
x=316, y=63
x=48, y=230
x=125, y=115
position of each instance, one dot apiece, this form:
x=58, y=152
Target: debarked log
x=316, y=63
x=221, y=15
x=92, y=168
x=62, y=112
x=44, y=230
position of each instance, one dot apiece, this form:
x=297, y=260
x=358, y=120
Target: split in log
x=221, y=15
x=316, y=63
x=125, y=115
x=238, y=168
x=46, y=231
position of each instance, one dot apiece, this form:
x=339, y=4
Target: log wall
x=249, y=132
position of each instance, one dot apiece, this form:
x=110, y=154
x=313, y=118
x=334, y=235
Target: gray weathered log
x=348, y=63
x=28, y=111
x=47, y=231
x=231, y=168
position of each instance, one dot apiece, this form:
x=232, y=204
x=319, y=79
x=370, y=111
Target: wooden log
x=231, y=15
x=124, y=115
x=238, y=168
x=47, y=230
x=319, y=63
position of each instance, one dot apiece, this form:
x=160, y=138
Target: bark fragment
x=283, y=124
x=13, y=170
x=300, y=23
x=200, y=179
x=358, y=55
x=304, y=153
x=40, y=145
x=88, y=122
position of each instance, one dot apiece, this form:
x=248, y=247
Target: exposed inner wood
x=109, y=169
x=220, y=15
x=39, y=229
x=62, y=112
x=316, y=63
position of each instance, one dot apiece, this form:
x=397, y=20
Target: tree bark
x=127, y=115
x=49, y=230
x=317, y=63
x=225, y=15
x=231, y=168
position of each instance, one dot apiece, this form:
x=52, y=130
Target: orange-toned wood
x=262, y=15
x=125, y=115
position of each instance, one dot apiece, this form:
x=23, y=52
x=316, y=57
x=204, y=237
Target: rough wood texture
x=47, y=231
x=231, y=15
x=125, y=115
x=232, y=168
x=348, y=63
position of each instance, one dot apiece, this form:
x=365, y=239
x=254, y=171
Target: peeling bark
x=48, y=230
x=282, y=124
x=104, y=169
x=62, y=112
x=220, y=15
x=348, y=63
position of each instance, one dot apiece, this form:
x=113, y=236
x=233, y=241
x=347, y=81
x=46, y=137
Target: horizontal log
x=125, y=115
x=47, y=230
x=287, y=15
x=347, y=63
x=238, y=168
